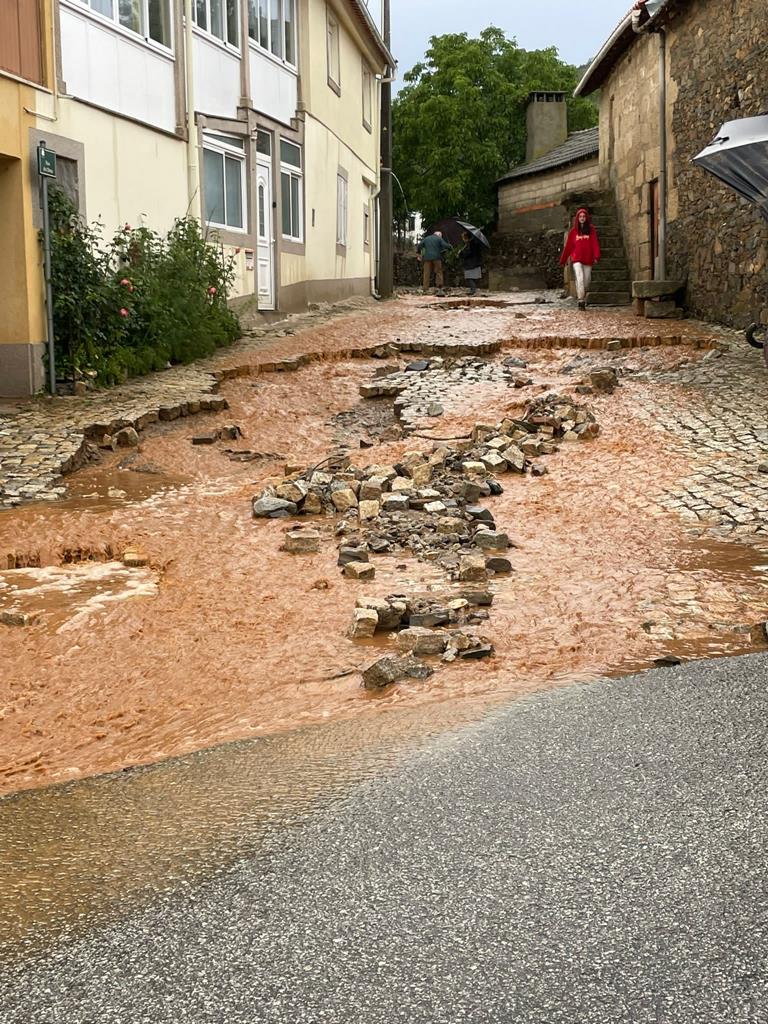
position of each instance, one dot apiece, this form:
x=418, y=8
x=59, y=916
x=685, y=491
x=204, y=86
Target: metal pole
x=48, y=285
x=386, y=267
x=194, y=208
x=662, y=264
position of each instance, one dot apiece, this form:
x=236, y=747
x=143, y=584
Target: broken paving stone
x=476, y=653
x=135, y=559
x=292, y=490
x=363, y=571
x=230, y=432
x=604, y=379
x=126, y=438
x=391, y=669
x=435, y=409
x=369, y=510
x=538, y=470
x=494, y=462
x=417, y=366
x=472, y=568
x=302, y=542
x=498, y=564
x=269, y=507
x=313, y=504
x=372, y=489
x=344, y=499
x=474, y=468
x=349, y=553
x=205, y=439
x=420, y=640
x=490, y=540
x=480, y=598
x=389, y=612
x=402, y=483
x=17, y=618
x=364, y=624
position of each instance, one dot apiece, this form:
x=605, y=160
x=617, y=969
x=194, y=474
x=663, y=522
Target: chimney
x=547, y=123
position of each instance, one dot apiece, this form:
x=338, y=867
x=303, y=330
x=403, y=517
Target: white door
x=265, y=242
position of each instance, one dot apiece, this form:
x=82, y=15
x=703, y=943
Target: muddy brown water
x=242, y=645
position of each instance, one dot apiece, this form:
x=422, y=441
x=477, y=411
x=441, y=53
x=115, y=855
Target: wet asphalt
x=592, y=855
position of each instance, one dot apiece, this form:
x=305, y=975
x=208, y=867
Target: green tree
x=459, y=120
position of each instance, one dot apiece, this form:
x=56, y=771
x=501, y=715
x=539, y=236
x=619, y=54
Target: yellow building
x=26, y=73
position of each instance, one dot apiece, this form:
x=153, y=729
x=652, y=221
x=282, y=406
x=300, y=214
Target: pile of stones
x=429, y=503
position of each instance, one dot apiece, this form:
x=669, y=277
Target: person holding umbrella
x=472, y=258
x=583, y=250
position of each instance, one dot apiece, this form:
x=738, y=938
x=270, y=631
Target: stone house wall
x=539, y=201
x=717, y=60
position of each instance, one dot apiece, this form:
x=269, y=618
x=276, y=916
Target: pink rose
x=123, y=312
x=211, y=290
x=127, y=284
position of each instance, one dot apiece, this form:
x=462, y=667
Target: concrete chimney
x=547, y=122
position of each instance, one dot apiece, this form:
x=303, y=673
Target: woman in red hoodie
x=583, y=250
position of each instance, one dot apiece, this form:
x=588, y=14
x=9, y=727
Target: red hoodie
x=581, y=248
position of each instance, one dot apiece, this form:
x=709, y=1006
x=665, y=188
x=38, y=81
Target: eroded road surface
x=148, y=614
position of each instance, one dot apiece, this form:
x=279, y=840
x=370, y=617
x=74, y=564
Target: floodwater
x=224, y=641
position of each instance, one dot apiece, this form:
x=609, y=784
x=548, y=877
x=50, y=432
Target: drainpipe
x=193, y=167
x=641, y=28
x=385, y=282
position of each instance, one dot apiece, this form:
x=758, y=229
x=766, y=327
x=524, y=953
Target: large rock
x=514, y=458
x=349, y=553
x=604, y=379
x=269, y=507
x=364, y=624
x=372, y=488
x=390, y=613
x=395, y=503
x=656, y=289
x=474, y=468
x=494, y=462
x=126, y=438
x=419, y=640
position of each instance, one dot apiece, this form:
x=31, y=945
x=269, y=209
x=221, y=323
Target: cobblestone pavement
x=43, y=439
x=717, y=412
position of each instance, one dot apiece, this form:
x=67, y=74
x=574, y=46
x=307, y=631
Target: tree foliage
x=459, y=120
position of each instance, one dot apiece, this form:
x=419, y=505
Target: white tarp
x=738, y=156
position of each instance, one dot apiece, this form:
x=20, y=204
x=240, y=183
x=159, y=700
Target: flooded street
x=149, y=615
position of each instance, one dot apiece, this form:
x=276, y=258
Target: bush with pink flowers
x=139, y=301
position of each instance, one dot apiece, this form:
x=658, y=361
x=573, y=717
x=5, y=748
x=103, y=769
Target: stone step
x=609, y=298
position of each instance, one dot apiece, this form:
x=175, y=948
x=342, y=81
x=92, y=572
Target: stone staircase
x=611, y=281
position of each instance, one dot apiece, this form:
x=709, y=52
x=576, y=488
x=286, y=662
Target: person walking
x=582, y=248
x=431, y=250
x=472, y=258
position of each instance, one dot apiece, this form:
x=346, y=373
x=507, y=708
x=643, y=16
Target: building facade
x=259, y=116
x=716, y=55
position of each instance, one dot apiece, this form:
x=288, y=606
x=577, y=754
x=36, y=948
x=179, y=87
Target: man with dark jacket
x=431, y=250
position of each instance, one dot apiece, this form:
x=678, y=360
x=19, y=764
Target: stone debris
x=392, y=669
x=411, y=614
x=135, y=559
x=364, y=624
x=9, y=617
x=604, y=379
x=271, y=507
x=302, y=542
x=359, y=571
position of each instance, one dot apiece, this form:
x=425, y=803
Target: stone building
x=538, y=199
x=716, y=56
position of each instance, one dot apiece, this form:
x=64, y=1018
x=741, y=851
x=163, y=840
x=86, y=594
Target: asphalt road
x=589, y=856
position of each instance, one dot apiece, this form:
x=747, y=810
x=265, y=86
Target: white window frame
x=113, y=21
x=342, y=208
x=368, y=80
x=216, y=143
x=333, y=50
x=266, y=48
x=206, y=29
x=294, y=172
x=366, y=225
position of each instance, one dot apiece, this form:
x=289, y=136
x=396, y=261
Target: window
x=220, y=18
x=334, y=54
x=367, y=97
x=224, y=181
x=366, y=225
x=291, y=191
x=148, y=18
x=272, y=26
x=263, y=143
x=342, y=190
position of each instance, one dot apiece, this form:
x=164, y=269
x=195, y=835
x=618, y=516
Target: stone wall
x=527, y=260
x=537, y=202
x=719, y=62
x=717, y=59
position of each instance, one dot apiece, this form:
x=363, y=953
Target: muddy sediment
x=224, y=636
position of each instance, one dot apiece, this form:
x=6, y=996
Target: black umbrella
x=452, y=229
x=738, y=156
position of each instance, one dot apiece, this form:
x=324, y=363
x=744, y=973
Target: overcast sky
x=578, y=30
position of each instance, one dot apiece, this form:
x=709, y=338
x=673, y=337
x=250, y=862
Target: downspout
x=375, y=242
x=642, y=28
x=193, y=166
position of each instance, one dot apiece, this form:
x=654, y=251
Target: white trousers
x=583, y=274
